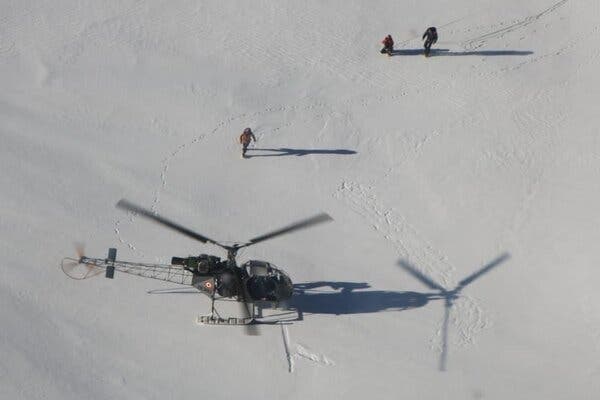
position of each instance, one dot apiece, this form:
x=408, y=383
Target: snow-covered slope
x=486, y=152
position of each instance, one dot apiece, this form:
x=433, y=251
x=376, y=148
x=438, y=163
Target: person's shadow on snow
x=296, y=152
x=448, y=53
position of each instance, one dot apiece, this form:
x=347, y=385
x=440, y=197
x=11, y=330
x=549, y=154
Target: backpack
x=434, y=35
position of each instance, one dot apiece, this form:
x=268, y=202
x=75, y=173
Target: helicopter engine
x=203, y=264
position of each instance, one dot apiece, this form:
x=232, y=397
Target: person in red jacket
x=245, y=138
x=388, y=45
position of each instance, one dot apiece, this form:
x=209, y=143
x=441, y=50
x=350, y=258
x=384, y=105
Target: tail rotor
x=77, y=268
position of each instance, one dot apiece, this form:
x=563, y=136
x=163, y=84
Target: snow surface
x=488, y=149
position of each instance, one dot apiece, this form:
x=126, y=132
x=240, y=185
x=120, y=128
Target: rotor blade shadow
x=499, y=260
x=427, y=281
x=444, y=353
x=449, y=295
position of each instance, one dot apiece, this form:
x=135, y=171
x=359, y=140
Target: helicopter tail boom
x=163, y=272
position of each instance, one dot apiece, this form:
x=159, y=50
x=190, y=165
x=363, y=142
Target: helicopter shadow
x=448, y=53
x=283, y=151
x=349, y=298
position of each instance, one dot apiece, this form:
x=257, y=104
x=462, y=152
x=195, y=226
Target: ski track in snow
x=481, y=40
x=542, y=131
x=581, y=40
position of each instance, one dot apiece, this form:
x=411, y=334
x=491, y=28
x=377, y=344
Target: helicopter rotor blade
x=499, y=260
x=305, y=223
x=127, y=205
x=427, y=281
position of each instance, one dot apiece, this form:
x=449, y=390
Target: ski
x=212, y=320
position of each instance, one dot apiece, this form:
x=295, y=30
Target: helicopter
x=248, y=283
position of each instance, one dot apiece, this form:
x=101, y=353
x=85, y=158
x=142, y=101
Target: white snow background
x=488, y=148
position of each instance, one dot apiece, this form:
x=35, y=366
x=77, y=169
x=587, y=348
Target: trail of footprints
x=479, y=41
x=467, y=317
x=395, y=229
x=295, y=351
x=195, y=140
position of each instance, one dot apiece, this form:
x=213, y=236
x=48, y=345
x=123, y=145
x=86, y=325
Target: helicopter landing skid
x=212, y=320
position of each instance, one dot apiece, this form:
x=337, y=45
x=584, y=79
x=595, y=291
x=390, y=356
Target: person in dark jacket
x=430, y=36
x=388, y=45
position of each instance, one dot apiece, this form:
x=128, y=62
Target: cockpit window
x=267, y=282
x=262, y=288
x=258, y=268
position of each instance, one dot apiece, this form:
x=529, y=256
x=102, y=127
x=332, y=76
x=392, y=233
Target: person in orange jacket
x=245, y=139
x=388, y=45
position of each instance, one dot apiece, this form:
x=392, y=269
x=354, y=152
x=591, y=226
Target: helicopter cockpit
x=266, y=282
